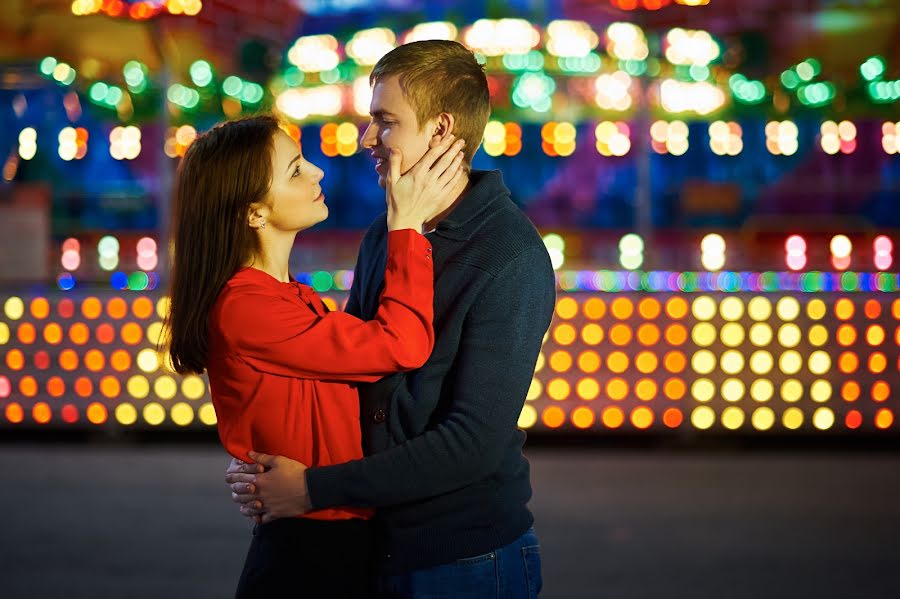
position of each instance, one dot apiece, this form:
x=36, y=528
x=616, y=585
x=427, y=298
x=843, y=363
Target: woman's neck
x=274, y=255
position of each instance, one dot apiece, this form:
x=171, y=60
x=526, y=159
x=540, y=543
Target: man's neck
x=447, y=208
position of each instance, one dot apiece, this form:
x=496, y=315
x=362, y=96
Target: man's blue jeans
x=511, y=572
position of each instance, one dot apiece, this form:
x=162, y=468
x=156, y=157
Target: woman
x=281, y=366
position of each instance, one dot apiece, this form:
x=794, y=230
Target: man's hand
x=278, y=492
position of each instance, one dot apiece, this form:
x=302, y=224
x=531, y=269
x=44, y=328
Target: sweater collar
x=486, y=188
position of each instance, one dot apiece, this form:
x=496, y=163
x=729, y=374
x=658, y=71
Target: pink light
x=796, y=262
x=840, y=263
x=883, y=262
x=883, y=245
x=5, y=387
x=147, y=262
x=71, y=245
x=795, y=245
x=146, y=247
x=71, y=259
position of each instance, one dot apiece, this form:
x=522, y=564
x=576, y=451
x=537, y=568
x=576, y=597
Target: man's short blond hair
x=441, y=76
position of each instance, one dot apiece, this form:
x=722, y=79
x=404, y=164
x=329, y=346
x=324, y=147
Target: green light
x=635, y=68
x=699, y=72
x=201, y=73
x=850, y=281
x=47, y=65
x=873, y=68
x=134, y=73
x=330, y=77
x=70, y=77
x=515, y=62
x=322, y=281
x=805, y=71
x=789, y=79
x=768, y=281
x=535, y=61
x=293, y=77
x=113, y=96
x=98, y=92
x=252, y=93
x=138, y=281
x=232, y=86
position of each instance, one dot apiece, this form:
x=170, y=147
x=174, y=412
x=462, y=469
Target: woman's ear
x=256, y=217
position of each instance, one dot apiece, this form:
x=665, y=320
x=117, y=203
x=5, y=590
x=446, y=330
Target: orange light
x=28, y=386
x=850, y=391
x=561, y=361
x=646, y=389
x=120, y=360
x=554, y=417
x=877, y=363
x=566, y=308
x=53, y=333
x=884, y=419
x=853, y=420
x=595, y=308
x=674, y=389
x=96, y=413
x=91, y=308
x=110, y=387
x=642, y=417
x=844, y=309
x=105, y=333
x=15, y=359
x=673, y=418
x=622, y=308
x=583, y=418
x=142, y=308
x=132, y=333
x=79, y=333
x=620, y=334
x=617, y=362
x=55, y=387
x=94, y=360
x=592, y=334
x=616, y=389
x=872, y=309
x=646, y=362
x=676, y=308
x=846, y=335
x=68, y=360
x=848, y=362
x=558, y=389
x=649, y=308
x=675, y=362
x=676, y=334
x=648, y=334
x=588, y=389
x=40, y=308
x=26, y=333
x=15, y=413
x=589, y=362
x=612, y=417
x=83, y=387
x=875, y=335
x=117, y=308
x=565, y=334
x=880, y=391
x=41, y=413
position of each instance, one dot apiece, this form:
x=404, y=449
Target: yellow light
x=154, y=333
x=181, y=414
x=792, y=418
x=367, y=47
x=138, y=387
x=435, y=30
x=154, y=414
x=588, y=389
x=760, y=334
x=761, y=362
x=315, y=53
x=126, y=414
x=534, y=390
x=165, y=387
x=496, y=37
x=816, y=309
x=789, y=335
x=733, y=418
x=162, y=308
x=733, y=389
x=4, y=333
x=819, y=362
x=763, y=419
x=732, y=334
x=14, y=308
x=823, y=419
x=527, y=418
x=565, y=334
x=731, y=308
x=762, y=390
x=193, y=387
x=592, y=334
x=787, y=308
x=558, y=389
x=790, y=362
x=703, y=390
x=703, y=362
x=703, y=417
x=759, y=308
x=207, y=414
x=732, y=361
x=148, y=360
x=540, y=363
x=791, y=390
x=703, y=334
x=818, y=335
x=567, y=308
x=704, y=308
x=820, y=391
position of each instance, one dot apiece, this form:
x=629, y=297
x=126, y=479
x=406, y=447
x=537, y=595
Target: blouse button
x=378, y=417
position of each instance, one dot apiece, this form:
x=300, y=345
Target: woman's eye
x=297, y=171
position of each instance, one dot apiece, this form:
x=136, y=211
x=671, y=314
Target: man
x=444, y=464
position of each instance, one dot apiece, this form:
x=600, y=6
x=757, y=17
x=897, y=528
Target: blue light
x=66, y=281
x=119, y=280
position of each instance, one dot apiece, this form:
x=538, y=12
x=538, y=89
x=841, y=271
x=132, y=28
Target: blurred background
x=717, y=182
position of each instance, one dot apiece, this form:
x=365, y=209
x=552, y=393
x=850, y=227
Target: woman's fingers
x=451, y=170
x=447, y=158
x=431, y=156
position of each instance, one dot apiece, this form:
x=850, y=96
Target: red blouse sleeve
x=286, y=338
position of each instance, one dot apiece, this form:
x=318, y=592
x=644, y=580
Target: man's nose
x=370, y=137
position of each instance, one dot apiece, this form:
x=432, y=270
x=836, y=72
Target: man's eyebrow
x=296, y=158
x=382, y=113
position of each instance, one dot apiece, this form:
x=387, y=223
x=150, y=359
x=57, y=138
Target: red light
x=69, y=414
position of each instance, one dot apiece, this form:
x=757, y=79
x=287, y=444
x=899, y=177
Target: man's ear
x=444, y=125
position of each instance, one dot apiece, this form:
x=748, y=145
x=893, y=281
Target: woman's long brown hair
x=224, y=171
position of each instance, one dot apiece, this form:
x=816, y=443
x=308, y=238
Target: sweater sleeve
x=497, y=353
x=278, y=338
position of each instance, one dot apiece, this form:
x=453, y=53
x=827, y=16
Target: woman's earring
x=262, y=223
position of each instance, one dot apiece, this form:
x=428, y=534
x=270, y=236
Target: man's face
x=394, y=125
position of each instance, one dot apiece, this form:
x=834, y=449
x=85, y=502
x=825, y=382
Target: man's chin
x=381, y=181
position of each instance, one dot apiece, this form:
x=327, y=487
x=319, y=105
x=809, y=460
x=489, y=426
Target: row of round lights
x=126, y=414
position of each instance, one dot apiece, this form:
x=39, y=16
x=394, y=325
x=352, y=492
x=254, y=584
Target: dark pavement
x=98, y=521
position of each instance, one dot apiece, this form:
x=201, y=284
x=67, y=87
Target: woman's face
x=295, y=201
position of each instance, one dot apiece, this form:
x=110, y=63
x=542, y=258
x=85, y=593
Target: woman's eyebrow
x=296, y=158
